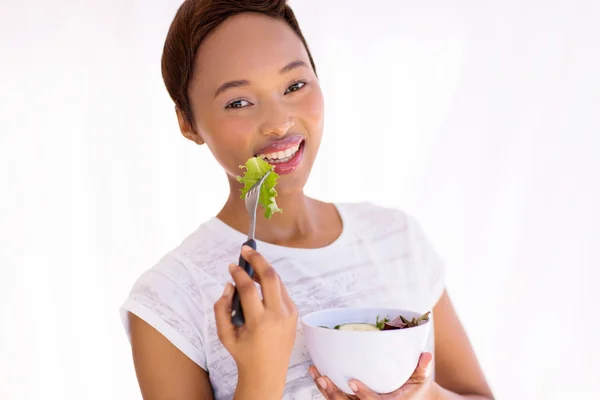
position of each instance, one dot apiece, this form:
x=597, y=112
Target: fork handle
x=237, y=314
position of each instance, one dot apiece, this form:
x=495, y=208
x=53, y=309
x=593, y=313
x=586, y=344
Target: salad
x=384, y=324
x=256, y=168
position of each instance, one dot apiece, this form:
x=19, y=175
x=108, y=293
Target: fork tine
x=257, y=185
x=251, y=191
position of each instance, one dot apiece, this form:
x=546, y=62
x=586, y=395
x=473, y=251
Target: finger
x=362, y=391
x=331, y=391
x=287, y=299
x=225, y=329
x=420, y=375
x=314, y=374
x=282, y=294
x=249, y=296
x=270, y=282
x=423, y=371
x=334, y=392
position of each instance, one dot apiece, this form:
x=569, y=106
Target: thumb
x=423, y=370
x=225, y=329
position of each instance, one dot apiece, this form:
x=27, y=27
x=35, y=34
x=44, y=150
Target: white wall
x=494, y=111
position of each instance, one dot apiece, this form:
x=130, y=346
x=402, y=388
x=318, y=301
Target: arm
x=458, y=374
x=164, y=372
x=261, y=348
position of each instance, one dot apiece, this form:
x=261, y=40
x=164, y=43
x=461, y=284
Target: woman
x=244, y=83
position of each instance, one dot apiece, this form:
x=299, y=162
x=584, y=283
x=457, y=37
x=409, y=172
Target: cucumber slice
x=358, y=327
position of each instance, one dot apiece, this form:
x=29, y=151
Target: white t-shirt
x=381, y=259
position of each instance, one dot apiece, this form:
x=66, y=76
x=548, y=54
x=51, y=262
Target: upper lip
x=281, y=145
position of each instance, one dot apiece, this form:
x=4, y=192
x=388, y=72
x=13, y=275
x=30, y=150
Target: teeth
x=283, y=160
x=280, y=156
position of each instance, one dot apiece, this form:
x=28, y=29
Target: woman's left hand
x=419, y=386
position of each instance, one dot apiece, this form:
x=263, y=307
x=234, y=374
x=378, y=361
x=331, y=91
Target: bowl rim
x=334, y=309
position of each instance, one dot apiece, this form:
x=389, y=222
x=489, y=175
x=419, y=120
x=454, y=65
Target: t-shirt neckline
x=220, y=227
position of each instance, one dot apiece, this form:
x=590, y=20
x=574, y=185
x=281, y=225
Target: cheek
x=231, y=133
x=229, y=139
x=311, y=109
x=240, y=128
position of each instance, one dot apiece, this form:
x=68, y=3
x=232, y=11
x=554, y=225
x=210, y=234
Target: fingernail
x=353, y=386
x=228, y=289
x=312, y=373
x=322, y=383
x=232, y=267
x=246, y=248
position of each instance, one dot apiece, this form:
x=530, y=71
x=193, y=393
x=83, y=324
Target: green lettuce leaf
x=256, y=168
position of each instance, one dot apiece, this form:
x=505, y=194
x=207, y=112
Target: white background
x=480, y=118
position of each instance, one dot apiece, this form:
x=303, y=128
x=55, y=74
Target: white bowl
x=382, y=360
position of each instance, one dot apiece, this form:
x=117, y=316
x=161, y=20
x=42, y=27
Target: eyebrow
x=243, y=82
x=292, y=65
x=230, y=85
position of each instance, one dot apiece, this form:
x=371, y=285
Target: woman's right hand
x=262, y=346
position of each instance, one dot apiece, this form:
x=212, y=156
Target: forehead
x=247, y=46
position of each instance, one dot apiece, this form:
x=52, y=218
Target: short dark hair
x=194, y=20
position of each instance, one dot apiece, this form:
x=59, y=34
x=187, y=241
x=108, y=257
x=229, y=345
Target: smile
x=281, y=156
x=285, y=154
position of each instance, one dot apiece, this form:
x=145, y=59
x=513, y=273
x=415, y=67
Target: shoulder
x=373, y=221
x=166, y=297
x=395, y=230
x=201, y=255
x=173, y=295
x=370, y=216
x=210, y=241
x=165, y=278
x=188, y=271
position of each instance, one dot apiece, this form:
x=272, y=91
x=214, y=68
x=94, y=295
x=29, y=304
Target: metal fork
x=251, y=200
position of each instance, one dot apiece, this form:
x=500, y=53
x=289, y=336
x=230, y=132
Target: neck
x=298, y=221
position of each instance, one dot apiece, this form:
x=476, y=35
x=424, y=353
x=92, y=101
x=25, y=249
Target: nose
x=276, y=121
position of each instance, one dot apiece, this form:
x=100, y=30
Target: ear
x=186, y=128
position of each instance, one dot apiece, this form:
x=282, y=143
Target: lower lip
x=290, y=166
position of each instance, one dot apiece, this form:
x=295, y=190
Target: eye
x=295, y=87
x=238, y=104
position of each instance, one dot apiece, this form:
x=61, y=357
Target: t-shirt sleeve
x=167, y=298
x=432, y=267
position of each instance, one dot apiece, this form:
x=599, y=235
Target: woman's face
x=254, y=93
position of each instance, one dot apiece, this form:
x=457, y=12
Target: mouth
x=285, y=154
x=281, y=151
x=281, y=156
